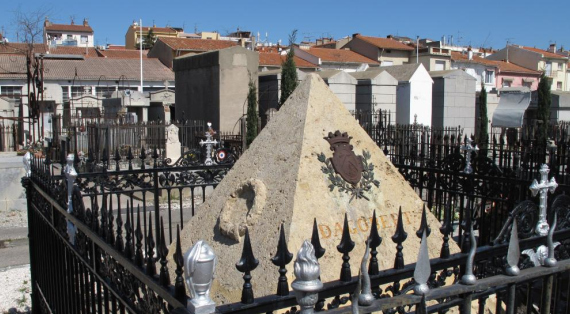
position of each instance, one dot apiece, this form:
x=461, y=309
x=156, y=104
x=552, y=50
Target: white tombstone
x=172, y=143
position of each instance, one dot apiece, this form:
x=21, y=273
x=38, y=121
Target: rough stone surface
x=283, y=159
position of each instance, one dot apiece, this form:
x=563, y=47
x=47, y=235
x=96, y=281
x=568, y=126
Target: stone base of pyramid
x=280, y=180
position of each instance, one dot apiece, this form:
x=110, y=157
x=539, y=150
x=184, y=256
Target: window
x=439, y=65
x=387, y=63
x=560, y=66
x=527, y=84
x=13, y=92
x=69, y=37
x=105, y=91
x=548, y=69
x=83, y=39
x=78, y=91
x=507, y=83
x=489, y=76
x=559, y=85
x=65, y=94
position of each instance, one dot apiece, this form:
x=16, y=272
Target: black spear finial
x=374, y=241
x=150, y=262
x=119, y=244
x=281, y=259
x=117, y=160
x=446, y=229
x=246, y=264
x=316, y=242
x=423, y=225
x=345, y=247
x=399, y=237
x=142, y=157
x=139, y=236
x=129, y=234
x=179, y=288
x=164, y=278
x=130, y=158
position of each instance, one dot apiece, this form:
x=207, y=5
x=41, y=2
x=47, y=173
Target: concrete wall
x=343, y=85
x=403, y=111
x=213, y=86
x=454, y=102
x=522, y=57
x=363, y=48
x=377, y=93
x=397, y=57
x=163, y=52
x=429, y=62
x=420, y=101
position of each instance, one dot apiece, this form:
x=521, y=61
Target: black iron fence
x=8, y=142
x=102, y=242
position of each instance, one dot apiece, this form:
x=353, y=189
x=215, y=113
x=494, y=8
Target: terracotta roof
x=12, y=66
x=546, y=54
x=275, y=59
x=339, y=55
x=123, y=54
x=19, y=48
x=385, y=43
x=93, y=68
x=502, y=65
x=157, y=29
x=69, y=50
x=196, y=44
x=69, y=28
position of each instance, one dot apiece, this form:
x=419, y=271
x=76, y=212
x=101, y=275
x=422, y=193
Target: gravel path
x=15, y=292
x=13, y=218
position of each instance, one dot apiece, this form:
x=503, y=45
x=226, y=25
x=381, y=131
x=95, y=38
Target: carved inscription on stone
x=361, y=225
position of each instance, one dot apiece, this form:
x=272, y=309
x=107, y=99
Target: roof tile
x=275, y=59
x=385, y=43
x=196, y=44
x=339, y=55
x=69, y=28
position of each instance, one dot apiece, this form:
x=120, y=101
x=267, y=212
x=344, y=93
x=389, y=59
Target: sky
x=477, y=23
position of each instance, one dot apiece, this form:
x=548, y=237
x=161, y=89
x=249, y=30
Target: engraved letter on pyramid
x=344, y=161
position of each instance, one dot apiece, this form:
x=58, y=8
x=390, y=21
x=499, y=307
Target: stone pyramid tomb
x=290, y=175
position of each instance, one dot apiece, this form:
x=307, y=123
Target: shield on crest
x=344, y=160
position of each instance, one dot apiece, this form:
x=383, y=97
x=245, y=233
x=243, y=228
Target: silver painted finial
x=70, y=175
x=543, y=187
x=199, y=266
x=423, y=268
x=550, y=261
x=365, y=298
x=468, y=148
x=513, y=253
x=307, y=283
x=469, y=278
x=28, y=163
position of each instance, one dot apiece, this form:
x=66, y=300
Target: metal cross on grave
x=468, y=148
x=209, y=144
x=543, y=187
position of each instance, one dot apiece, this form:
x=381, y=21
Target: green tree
x=543, y=111
x=288, y=71
x=483, y=118
x=252, y=115
x=149, y=40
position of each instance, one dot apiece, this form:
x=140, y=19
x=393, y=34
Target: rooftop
x=123, y=54
x=384, y=43
x=69, y=28
x=546, y=54
x=402, y=72
x=94, y=68
x=276, y=59
x=339, y=55
x=502, y=65
x=196, y=44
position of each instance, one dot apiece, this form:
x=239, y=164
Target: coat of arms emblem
x=346, y=170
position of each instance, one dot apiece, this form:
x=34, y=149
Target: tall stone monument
x=313, y=160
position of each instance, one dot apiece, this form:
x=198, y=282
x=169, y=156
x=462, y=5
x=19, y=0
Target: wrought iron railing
x=110, y=258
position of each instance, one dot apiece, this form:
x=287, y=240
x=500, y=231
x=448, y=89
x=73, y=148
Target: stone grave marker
x=172, y=143
x=291, y=175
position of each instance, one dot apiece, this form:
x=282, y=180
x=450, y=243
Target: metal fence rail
x=113, y=257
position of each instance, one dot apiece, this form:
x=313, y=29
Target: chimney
x=469, y=53
x=85, y=22
x=552, y=48
x=47, y=22
x=355, y=34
